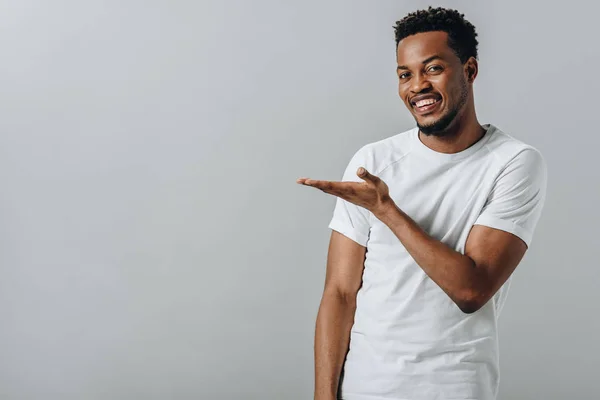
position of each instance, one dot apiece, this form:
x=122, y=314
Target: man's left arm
x=496, y=243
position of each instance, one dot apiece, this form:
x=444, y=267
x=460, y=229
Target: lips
x=425, y=103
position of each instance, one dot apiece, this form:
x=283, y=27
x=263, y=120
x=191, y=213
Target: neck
x=462, y=133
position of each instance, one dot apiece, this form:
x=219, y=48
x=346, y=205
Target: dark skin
x=426, y=65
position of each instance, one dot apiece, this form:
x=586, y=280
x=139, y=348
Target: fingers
x=311, y=182
x=335, y=188
x=323, y=185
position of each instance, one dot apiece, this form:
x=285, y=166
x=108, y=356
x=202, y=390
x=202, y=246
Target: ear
x=471, y=69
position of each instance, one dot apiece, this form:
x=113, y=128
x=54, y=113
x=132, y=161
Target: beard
x=439, y=128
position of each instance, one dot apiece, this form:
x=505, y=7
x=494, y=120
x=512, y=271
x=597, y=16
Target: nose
x=419, y=83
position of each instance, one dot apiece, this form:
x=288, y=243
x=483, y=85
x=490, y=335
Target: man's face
x=431, y=81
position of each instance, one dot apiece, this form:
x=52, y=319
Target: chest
x=444, y=200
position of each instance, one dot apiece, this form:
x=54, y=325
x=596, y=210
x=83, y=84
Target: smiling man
x=428, y=227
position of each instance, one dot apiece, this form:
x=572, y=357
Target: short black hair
x=462, y=37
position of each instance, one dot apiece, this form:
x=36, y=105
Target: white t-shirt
x=409, y=340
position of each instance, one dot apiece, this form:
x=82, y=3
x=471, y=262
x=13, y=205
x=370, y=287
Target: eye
x=434, y=68
x=404, y=75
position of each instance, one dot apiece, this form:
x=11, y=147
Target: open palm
x=372, y=194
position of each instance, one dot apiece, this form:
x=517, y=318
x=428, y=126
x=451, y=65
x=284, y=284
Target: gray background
x=153, y=241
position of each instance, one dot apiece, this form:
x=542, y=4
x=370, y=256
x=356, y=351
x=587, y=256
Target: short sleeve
x=517, y=198
x=349, y=219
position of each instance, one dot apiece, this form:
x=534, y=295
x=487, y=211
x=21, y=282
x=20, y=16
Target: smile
x=426, y=105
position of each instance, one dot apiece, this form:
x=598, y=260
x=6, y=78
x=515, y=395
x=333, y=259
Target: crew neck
x=421, y=148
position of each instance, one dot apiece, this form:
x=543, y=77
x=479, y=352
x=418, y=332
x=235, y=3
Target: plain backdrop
x=153, y=241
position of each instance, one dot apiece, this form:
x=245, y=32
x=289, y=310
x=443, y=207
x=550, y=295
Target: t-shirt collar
x=421, y=148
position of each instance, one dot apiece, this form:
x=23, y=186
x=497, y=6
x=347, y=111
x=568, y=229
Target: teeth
x=425, y=102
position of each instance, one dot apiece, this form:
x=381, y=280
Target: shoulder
x=507, y=149
x=515, y=157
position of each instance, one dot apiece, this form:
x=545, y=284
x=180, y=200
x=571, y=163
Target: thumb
x=364, y=174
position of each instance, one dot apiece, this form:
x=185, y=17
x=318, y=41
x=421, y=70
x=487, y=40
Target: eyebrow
x=425, y=61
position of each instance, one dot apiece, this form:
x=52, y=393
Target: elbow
x=471, y=301
x=343, y=295
x=468, y=307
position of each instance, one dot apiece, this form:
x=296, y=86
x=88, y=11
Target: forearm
x=332, y=337
x=456, y=273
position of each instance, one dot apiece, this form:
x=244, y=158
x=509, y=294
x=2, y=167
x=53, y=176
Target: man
x=428, y=227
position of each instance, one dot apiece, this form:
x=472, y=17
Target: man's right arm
x=345, y=263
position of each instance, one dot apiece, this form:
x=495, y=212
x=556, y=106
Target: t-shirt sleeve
x=349, y=219
x=517, y=198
